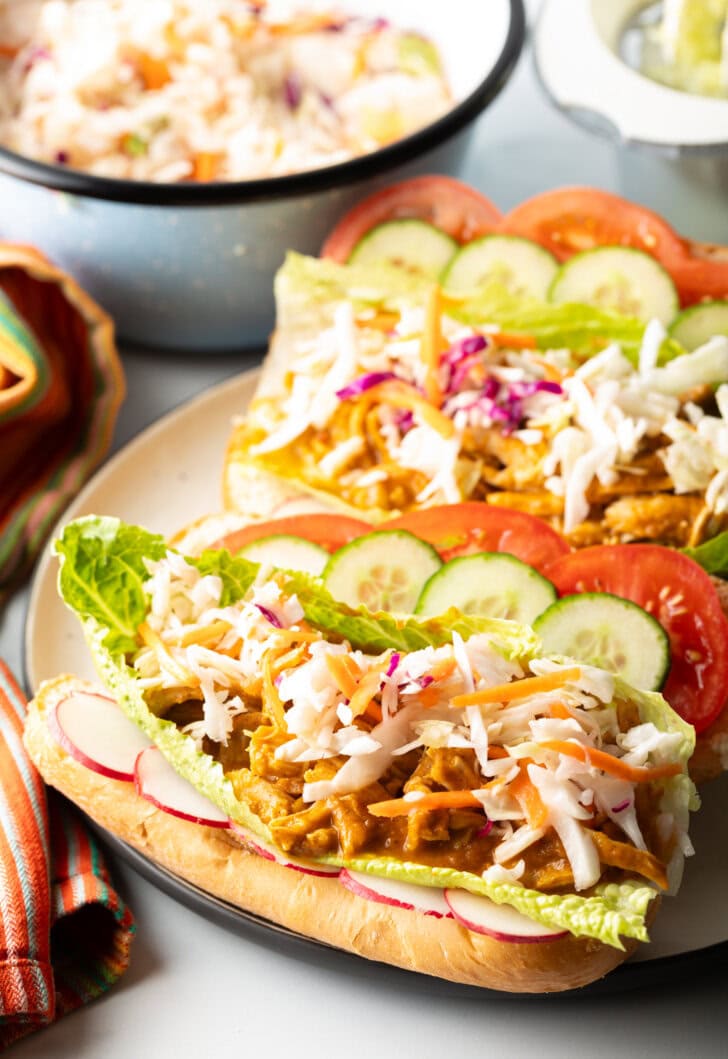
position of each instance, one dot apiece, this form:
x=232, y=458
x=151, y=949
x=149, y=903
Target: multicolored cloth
x=65, y=934
x=61, y=385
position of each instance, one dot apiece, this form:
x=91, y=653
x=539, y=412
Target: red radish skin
x=157, y=781
x=270, y=852
x=94, y=730
x=483, y=916
x=426, y=899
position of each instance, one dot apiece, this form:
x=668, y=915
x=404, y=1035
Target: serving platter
x=170, y=475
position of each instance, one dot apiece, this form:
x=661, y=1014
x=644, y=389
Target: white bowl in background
x=191, y=266
x=672, y=146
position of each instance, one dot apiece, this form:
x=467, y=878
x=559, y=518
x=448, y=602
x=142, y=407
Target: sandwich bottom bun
x=318, y=907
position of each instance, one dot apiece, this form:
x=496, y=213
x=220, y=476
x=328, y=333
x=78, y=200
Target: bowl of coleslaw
x=168, y=152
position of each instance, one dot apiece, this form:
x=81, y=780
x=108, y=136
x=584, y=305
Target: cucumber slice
x=410, y=244
x=384, y=570
x=287, y=552
x=618, y=278
x=489, y=584
x=612, y=633
x=523, y=267
x=694, y=326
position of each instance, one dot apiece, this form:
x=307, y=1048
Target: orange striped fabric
x=51, y=961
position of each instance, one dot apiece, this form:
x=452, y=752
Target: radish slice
x=427, y=899
x=483, y=916
x=271, y=852
x=98, y=734
x=157, y=781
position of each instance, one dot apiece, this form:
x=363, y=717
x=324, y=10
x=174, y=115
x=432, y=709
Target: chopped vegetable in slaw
x=203, y=90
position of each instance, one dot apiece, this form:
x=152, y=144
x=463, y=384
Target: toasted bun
x=314, y=906
x=257, y=493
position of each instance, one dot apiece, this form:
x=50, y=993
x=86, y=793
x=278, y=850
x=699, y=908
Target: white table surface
x=195, y=989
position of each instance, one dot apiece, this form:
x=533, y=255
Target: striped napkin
x=61, y=385
x=65, y=933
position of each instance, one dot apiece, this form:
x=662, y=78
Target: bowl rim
x=290, y=185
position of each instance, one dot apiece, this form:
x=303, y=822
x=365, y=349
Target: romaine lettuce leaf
x=614, y=909
x=304, y=282
x=712, y=555
x=102, y=574
x=379, y=632
x=103, y=571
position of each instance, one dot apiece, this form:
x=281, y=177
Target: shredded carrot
x=518, y=689
x=271, y=699
x=155, y=72
x=613, y=766
x=399, y=395
x=442, y=668
x=558, y=710
x=345, y=672
x=432, y=345
x=526, y=794
x=512, y=340
x=429, y=697
x=495, y=752
x=381, y=321
x=290, y=658
x=359, y=66
x=367, y=688
x=153, y=640
x=305, y=23
x=373, y=712
x=8, y=51
x=551, y=373
x=204, y=635
x=437, y=800
x=205, y=166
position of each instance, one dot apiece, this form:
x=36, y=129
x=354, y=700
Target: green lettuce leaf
x=102, y=575
x=379, y=632
x=584, y=329
x=613, y=910
x=309, y=288
x=654, y=708
x=103, y=570
x=712, y=555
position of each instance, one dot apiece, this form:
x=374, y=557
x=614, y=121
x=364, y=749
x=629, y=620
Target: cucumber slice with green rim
x=696, y=325
x=489, y=584
x=612, y=633
x=287, y=552
x=619, y=278
x=410, y=244
x=384, y=570
x=522, y=266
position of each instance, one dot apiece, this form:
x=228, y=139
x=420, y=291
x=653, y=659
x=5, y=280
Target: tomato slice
x=450, y=205
x=569, y=220
x=676, y=591
x=473, y=526
x=702, y=273
x=330, y=531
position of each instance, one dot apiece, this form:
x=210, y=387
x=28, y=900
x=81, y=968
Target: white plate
x=170, y=475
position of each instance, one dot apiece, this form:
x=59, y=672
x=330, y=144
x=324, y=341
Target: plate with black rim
x=162, y=480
